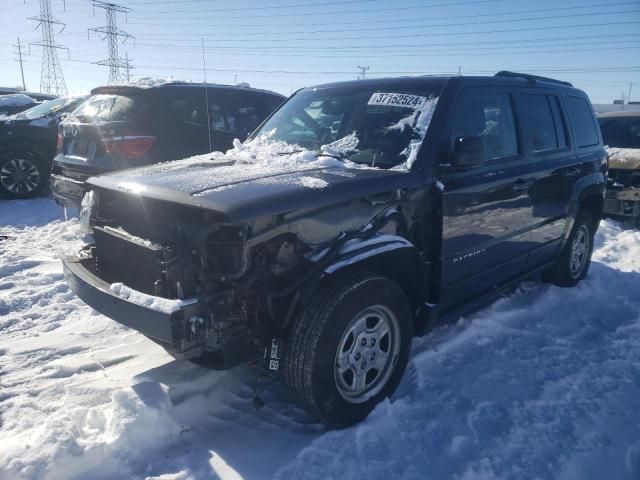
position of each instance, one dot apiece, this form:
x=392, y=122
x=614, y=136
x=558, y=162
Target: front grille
x=119, y=259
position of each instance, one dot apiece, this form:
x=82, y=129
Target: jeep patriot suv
x=359, y=214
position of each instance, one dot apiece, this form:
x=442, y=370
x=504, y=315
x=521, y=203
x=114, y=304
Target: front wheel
x=22, y=176
x=349, y=348
x=574, y=259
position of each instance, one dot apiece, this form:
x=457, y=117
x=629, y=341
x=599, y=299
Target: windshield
x=45, y=109
x=621, y=132
x=373, y=126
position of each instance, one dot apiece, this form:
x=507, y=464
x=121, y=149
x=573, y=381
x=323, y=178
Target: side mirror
x=468, y=151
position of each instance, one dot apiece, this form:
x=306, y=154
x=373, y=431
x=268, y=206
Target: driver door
x=487, y=209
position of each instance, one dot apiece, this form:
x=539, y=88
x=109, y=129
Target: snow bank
x=15, y=99
x=542, y=384
x=159, y=304
x=627, y=158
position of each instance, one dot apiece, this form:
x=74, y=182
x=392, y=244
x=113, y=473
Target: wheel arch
x=402, y=265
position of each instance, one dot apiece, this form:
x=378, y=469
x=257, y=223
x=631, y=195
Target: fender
x=391, y=256
x=589, y=186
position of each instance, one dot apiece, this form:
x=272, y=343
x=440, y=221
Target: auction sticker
x=397, y=100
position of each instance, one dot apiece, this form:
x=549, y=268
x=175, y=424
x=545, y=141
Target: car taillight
x=59, y=143
x=128, y=147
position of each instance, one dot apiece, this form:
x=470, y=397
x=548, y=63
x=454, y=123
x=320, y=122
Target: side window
x=561, y=124
x=542, y=129
x=621, y=132
x=243, y=118
x=490, y=117
x=217, y=118
x=582, y=121
x=188, y=115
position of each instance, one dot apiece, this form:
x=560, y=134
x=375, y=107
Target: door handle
x=522, y=185
x=572, y=171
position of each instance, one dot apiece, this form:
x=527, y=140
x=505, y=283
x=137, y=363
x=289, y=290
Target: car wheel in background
x=22, y=175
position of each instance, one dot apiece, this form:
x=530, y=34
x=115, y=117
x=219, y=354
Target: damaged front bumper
x=622, y=202
x=173, y=329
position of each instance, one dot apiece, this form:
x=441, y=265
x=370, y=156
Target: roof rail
x=532, y=78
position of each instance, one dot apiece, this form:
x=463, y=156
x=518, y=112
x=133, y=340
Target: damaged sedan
x=356, y=216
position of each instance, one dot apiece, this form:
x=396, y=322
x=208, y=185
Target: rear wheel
x=349, y=348
x=22, y=176
x=573, y=262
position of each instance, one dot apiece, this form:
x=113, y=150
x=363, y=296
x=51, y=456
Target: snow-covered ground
x=543, y=384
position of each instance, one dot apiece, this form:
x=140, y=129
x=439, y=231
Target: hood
x=240, y=192
x=624, y=158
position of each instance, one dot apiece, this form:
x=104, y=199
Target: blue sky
x=286, y=45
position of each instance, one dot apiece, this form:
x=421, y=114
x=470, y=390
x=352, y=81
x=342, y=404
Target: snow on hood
x=626, y=158
x=15, y=99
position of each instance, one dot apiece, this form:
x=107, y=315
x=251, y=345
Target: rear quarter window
x=583, y=123
x=108, y=107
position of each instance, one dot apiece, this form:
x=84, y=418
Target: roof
x=438, y=81
x=146, y=85
x=624, y=114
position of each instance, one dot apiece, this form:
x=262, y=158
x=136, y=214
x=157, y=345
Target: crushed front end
x=623, y=191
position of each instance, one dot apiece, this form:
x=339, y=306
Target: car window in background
x=621, y=132
x=542, y=129
x=489, y=117
x=113, y=108
x=582, y=121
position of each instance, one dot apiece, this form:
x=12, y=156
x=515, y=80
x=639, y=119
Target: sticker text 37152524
x=397, y=100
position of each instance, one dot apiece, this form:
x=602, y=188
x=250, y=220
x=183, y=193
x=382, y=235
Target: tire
x=349, y=310
x=22, y=175
x=569, y=268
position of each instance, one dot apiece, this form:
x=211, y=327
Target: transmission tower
x=363, y=71
x=51, y=78
x=112, y=34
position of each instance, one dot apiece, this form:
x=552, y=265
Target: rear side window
x=490, y=117
x=582, y=121
x=621, y=132
x=112, y=108
x=542, y=128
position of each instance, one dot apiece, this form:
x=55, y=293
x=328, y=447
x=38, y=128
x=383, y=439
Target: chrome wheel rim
x=579, y=250
x=367, y=354
x=19, y=176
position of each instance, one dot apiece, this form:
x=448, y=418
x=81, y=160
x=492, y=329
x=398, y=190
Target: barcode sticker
x=403, y=100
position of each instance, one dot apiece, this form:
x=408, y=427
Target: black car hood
x=241, y=192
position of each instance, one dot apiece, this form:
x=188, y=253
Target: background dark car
x=127, y=126
x=27, y=146
x=13, y=101
x=621, y=134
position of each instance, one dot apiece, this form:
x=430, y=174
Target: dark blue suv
x=359, y=214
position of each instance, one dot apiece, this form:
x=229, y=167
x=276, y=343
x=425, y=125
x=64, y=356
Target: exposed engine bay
x=248, y=279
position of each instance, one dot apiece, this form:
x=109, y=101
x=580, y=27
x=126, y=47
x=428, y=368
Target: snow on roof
x=15, y=99
x=150, y=82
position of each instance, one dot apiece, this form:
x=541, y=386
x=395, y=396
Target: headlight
x=86, y=210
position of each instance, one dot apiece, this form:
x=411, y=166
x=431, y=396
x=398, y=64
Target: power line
x=112, y=34
x=51, y=77
x=363, y=71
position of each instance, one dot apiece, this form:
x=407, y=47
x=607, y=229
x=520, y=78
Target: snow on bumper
x=162, y=319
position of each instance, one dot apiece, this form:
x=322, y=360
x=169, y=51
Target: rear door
x=487, y=210
x=555, y=166
x=182, y=126
x=560, y=162
x=235, y=114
